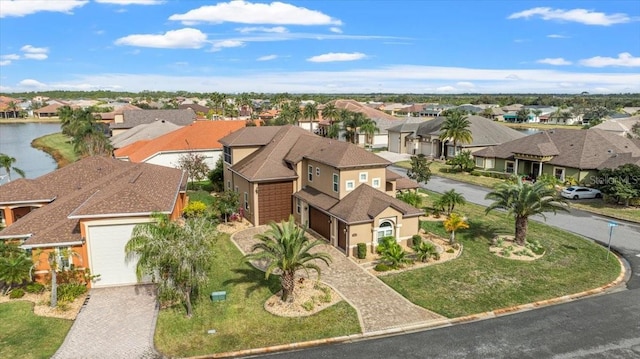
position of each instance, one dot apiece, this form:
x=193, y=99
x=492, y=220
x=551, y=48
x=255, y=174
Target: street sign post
x=611, y=225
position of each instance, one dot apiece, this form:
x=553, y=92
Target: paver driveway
x=116, y=322
x=379, y=307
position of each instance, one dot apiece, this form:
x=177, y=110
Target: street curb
x=434, y=324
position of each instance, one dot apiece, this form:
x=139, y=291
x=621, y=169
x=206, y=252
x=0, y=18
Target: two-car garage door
x=107, y=255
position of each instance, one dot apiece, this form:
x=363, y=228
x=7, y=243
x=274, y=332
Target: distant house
x=49, y=111
x=109, y=117
x=198, y=109
x=144, y=132
x=133, y=118
x=561, y=153
x=619, y=126
x=89, y=207
x=200, y=137
x=341, y=191
x=9, y=107
x=423, y=137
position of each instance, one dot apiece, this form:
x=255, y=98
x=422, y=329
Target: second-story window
x=227, y=154
x=364, y=176
x=310, y=178
x=336, y=183
x=375, y=183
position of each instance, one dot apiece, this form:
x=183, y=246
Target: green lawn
x=201, y=196
x=241, y=322
x=479, y=281
x=26, y=335
x=442, y=170
x=58, y=146
x=600, y=207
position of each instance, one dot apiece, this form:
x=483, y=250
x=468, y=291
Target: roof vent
x=609, y=151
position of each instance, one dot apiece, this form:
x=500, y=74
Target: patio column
x=8, y=216
x=515, y=170
x=540, y=169
x=398, y=226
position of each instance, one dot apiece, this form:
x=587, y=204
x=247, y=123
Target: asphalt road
x=606, y=326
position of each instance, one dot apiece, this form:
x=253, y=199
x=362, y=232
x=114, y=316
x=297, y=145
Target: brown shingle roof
x=316, y=198
x=285, y=145
x=96, y=187
x=365, y=202
x=134, y=118
x=582, y=149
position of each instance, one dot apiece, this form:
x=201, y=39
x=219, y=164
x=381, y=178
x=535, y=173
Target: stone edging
x=426, y=325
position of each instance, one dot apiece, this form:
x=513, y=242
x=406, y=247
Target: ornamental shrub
x=16, y=293
x=362, y=250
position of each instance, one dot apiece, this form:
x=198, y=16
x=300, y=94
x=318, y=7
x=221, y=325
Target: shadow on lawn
x=481, y=229
x=256, y=279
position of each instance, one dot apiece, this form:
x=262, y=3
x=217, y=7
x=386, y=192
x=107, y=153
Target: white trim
x=353, y=185
x=48, y=200
x=17, y=236
x=117, y=215
x=52, y=245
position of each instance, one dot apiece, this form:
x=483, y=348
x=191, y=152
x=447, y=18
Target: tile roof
x=485, y=132
x=582, y=149
x=382, y=119
x=364, y=203
x=134, y=118
x=286, y=145
x=117, y=111
x=96, y=187
x=146, y=131
x=403, y=183
x=198, y=136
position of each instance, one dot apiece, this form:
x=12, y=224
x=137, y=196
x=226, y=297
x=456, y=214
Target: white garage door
x=108, y=259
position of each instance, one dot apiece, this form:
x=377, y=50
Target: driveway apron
x=379, y=307
x=116, y=322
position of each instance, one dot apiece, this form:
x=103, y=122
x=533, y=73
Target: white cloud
x=131, y=2
x=186, y=38
x=465, y=84
x=5, y=62
x=228, y=43
x=337, y=56
x=557, y=36
x=10, y=57
x=30, y=83
x=35, y=53
x=389, y=79
x=275, y=29
x=19, y=8
x=335, y=29
x=583, y=16
x=244, y=12
x=557, y=61
x=624, y=59
x=267, y=58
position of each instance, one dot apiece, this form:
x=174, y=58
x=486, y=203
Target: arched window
x=385, y=229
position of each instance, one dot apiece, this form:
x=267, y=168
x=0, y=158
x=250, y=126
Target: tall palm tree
x=6, y=162
x=330, y=112
x=454, y=223
x=449, y=200
x=310, y=113
x=369, y=128
x=456, y=128
x=522, y=200
x=333, y=131
x=287, y=249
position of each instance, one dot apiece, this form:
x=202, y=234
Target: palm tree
x=330, y=112
x=452, y=224
x=456, y=128
x=287, y=249
x=523, y=200
x=369, y=128
x=487, y=113
x=310, y=112
x=14, y=108
x=333, y=131
x=449, y=200
x=177, y=257
x=15, y=269
x=412, y=198
x=7, y=162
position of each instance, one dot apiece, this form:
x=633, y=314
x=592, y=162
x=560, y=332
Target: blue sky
x=329, y=46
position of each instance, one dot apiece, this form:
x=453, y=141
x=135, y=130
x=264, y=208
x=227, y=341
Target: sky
x=329, y=46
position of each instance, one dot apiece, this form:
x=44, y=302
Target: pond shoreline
x=40, y=143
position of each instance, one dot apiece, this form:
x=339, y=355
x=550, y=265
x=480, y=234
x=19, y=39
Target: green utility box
x=218, y=296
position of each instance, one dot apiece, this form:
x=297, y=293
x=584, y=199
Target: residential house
x=9, y=107
x=89, y=207
x=414, y=110
x=132, y=118
x=562, y=153
x=50, y=111
x=620, y=126
x=339, y=190
x=200, y=137
x=118, y=110
x=201, y=111
x=144, y=132
x=424, y=137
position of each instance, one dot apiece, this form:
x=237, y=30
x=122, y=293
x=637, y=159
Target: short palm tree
x=14, y=270
x=449, y=200
x=456, y=129
x=330, y=112
x=454, y=223
x=411, y=197
x=522, y=200
x=369, y=128
x=287, y=249
x=310, y=113
x=6, y=162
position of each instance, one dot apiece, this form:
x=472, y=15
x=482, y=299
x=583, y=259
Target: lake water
x=15, y=141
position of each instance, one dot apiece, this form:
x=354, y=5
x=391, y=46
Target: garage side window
x=64, y=258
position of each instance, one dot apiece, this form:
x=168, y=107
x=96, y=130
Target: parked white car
x=576, y=192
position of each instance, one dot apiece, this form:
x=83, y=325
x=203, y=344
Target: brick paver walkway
x=116, y=322
x=378, y=306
